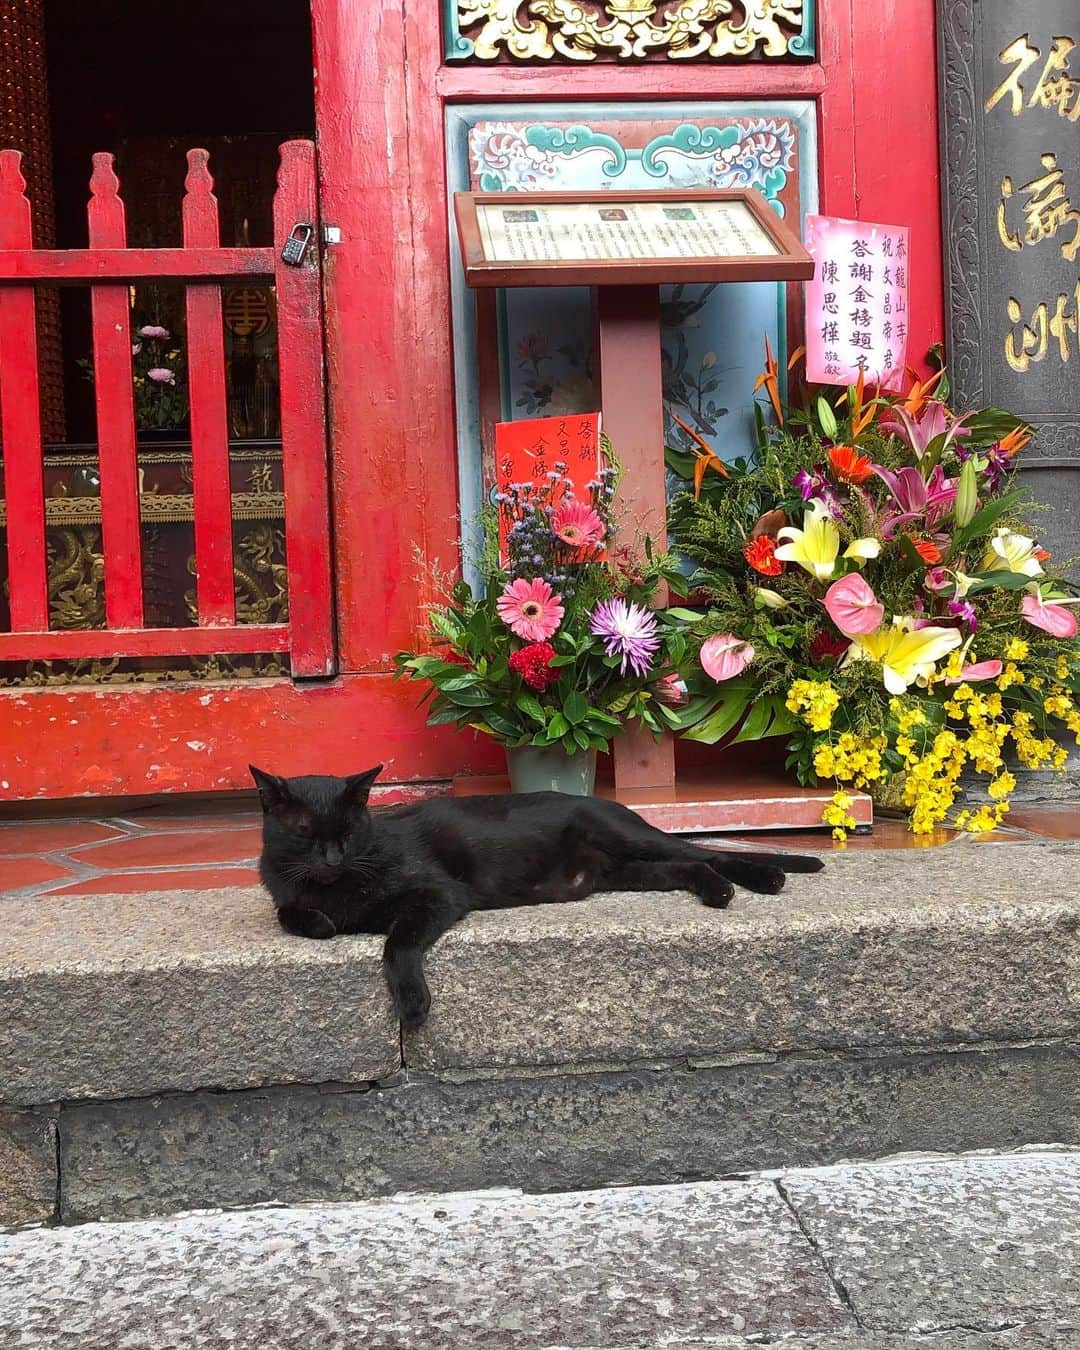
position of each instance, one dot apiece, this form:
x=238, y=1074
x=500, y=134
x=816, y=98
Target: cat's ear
x=273, y=791
x=358, y=785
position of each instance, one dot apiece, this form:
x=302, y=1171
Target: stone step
x=976, y=1253
x=164, y=1051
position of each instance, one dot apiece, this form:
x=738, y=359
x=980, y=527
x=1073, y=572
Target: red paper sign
x=527, y=451
x=857, y=302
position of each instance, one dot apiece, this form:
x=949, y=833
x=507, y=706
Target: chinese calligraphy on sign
x=1010, y=116
x=857, y=302
x=1044, y=211
x=564, y=451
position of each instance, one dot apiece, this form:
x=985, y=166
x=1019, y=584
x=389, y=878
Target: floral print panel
x=713, y=335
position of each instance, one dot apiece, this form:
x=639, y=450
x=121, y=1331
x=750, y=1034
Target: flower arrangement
x=159, y=377
x=874, y=596
x=559, y=646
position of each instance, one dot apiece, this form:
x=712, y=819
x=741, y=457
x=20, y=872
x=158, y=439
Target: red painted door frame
x=381, y=90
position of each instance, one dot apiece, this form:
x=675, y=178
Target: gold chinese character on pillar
x=628, y=30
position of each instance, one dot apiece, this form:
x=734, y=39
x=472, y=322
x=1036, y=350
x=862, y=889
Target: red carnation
x=760, y=553
x=826, y=646
x=533, y=664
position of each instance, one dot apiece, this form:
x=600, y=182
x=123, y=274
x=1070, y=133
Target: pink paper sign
x=857, y=303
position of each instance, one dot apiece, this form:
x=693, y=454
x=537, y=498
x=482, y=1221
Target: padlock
x=296, y=246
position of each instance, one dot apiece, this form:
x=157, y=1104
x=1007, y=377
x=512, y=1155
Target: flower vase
x=551, y=769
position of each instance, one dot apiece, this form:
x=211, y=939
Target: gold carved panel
x=628, y=30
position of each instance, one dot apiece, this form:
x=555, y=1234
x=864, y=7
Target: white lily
x=817, y=545
x=906, y=654
x=1011, y=552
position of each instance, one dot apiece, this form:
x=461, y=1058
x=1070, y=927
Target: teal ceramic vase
x=551, y=769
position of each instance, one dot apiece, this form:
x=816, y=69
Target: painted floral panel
x=713, y=335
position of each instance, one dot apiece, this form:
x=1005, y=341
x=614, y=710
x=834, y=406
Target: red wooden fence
x=109, y=268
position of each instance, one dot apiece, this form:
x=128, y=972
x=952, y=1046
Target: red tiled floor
x=128, y=883
x=34, y=836
x=1052, y=822
x=191, y=846
x=18, y=872
x=224, y=821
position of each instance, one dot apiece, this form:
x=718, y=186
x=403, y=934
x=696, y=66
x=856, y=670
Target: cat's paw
x=717, y=892
x=763, y=878
x=306, y=923
x=412, y=1001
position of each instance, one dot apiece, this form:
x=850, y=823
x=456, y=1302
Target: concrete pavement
x=972, y=1253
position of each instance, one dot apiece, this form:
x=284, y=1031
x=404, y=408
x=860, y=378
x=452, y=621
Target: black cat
x=412, y=872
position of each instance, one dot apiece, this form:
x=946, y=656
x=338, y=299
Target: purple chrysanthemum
x=628, y=631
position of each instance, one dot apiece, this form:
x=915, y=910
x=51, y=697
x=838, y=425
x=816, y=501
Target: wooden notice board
x=625, y=238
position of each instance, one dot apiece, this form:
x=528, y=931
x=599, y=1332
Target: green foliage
x=588, y=695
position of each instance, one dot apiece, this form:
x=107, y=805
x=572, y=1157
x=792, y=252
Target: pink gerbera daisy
x=578, y=525
x=530, y=609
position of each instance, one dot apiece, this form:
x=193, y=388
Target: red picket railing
x=110, y=268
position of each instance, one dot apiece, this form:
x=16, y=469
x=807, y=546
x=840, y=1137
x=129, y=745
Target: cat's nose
x=333, y=856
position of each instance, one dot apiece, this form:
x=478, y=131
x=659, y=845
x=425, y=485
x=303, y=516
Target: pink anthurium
x=980, y=670
x=853, y=606
x=1052, y=616
x=725, y=656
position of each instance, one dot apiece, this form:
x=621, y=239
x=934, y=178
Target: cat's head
x=317, y=828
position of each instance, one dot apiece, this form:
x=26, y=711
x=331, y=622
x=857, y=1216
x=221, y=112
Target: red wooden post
x=632, y=402
x=21, y=417
x=303, y=420
x=117, y=456
x=209, y=410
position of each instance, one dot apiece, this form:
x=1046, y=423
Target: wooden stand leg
x=632, y=407
x=489, y=383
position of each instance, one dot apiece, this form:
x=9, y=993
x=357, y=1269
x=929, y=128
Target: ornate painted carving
x=547, y=357
x=628, y=30
x=755, y=152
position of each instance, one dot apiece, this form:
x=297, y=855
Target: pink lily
x=934, y=420
x=914, y=497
